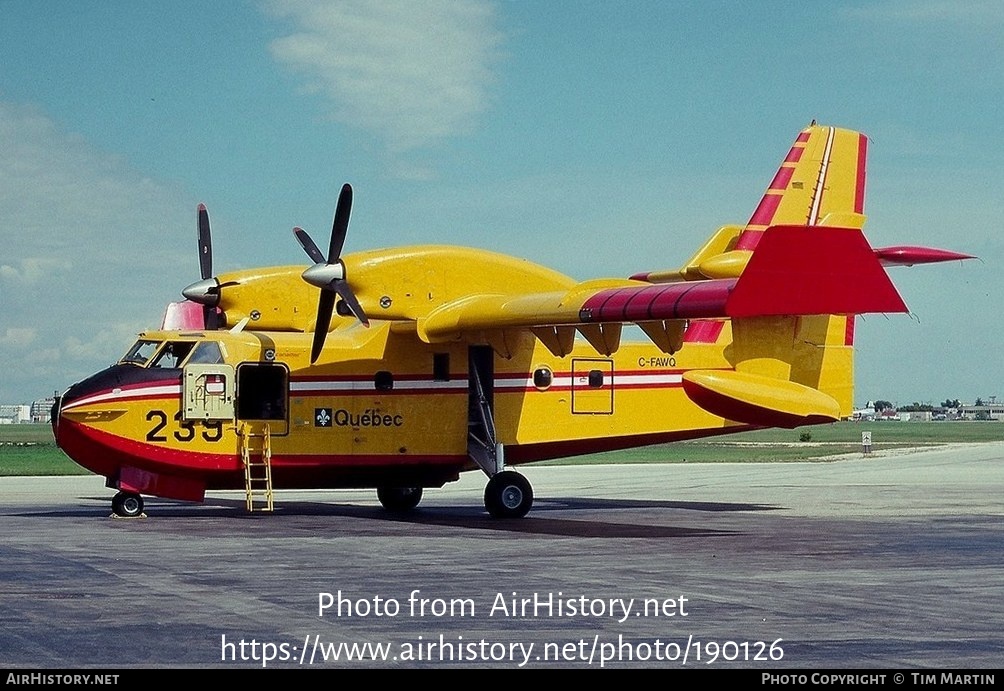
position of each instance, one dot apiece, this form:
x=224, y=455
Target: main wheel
x=508, y=495
x=399, y=498
x=127, y=504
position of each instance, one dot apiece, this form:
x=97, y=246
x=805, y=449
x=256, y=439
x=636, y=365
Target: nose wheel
x=127, y=504
x=508, y=495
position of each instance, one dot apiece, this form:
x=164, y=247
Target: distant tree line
x=919, y=407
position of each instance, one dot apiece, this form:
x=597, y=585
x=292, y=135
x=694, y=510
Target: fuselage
x=400, y=368
x=397, y=403
x=380, y=408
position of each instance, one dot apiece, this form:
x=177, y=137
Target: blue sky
x=599, y=138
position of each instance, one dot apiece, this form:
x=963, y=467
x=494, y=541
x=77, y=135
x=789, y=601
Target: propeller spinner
x=328, y=274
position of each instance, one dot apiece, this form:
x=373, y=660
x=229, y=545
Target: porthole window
x=383, y=380
x=542, y=378
x=595, y=379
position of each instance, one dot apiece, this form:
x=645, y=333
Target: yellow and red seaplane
x=417, y=363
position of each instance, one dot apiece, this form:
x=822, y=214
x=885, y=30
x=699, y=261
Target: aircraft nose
x=109, y=381
x=54, y=417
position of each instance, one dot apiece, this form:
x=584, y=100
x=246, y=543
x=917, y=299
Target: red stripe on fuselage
x=526, y=453
x=105, y=453
x=371, y=391
x=167, y=388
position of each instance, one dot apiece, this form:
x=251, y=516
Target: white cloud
x=104, y=346
x=412, y=73
x=33, y=270
x=89, y=244
x=15, y=337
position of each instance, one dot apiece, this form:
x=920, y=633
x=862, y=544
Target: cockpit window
x=206, y=353
x=141, y=352
x=172, y=354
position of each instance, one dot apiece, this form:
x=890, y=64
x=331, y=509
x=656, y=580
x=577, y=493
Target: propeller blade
x=340, y=225
x=308, y=246
x=328, y=274
x=344, y=292
x=205, y=243
x=205, y=291
x=324, y=308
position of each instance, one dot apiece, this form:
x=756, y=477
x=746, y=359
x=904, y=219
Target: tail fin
x=791, y=370
x=820, y=182
x=795, y=275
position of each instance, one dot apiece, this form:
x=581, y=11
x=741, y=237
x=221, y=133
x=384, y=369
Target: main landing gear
x=127, y=504
x=508, y=495
x=399, y=499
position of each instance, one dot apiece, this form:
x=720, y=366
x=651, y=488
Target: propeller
x=207, y=291
x=205, y=243
x=328, y=273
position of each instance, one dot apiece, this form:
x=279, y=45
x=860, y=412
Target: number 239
x=213, y=430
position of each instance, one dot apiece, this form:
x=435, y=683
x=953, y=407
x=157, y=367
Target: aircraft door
x=263, y=395
x=208, y=392
x=592, y=386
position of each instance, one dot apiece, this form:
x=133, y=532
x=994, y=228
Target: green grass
x=31, y=450
x=773, y=445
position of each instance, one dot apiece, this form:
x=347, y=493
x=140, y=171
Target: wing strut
x=482, y=445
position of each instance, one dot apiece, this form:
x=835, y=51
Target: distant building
x=20, y=413
x=993, y=411
x=14, y=414
x=41, y=410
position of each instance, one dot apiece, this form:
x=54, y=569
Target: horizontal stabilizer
x=813, y=270
x=795, y=270
x=757, y=400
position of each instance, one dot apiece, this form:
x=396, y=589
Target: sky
x=598, y=138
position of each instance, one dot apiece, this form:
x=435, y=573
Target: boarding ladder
x=257, y=469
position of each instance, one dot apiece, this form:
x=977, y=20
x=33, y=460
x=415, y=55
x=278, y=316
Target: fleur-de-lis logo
x=322, y=417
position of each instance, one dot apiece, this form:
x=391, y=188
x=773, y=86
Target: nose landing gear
x=127, y=504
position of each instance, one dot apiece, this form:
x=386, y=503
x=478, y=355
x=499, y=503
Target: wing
x=796, y=270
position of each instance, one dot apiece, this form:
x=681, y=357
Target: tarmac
x=887, y=561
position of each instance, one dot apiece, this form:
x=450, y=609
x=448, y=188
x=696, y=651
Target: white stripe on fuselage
x=160, y=391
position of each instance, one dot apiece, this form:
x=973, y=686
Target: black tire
x=399, y=498
x=508, y=495
x=127, y=504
